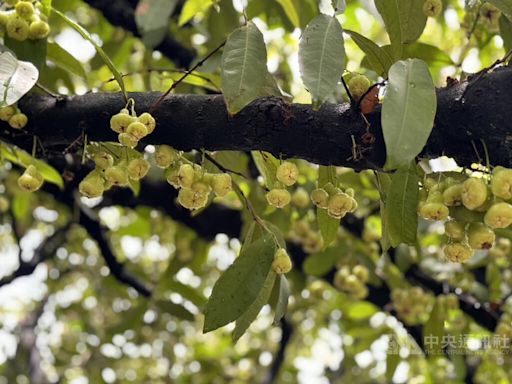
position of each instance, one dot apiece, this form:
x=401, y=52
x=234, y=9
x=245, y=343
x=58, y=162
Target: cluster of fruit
x=194, y=183
x=412, y=305
x=337, y=202
x=352, y=280
x=477, y=208
x=132, y=128
x=282, y=262
x=302, y=233
x=110, y=171
x=24, y=22
x=286, y=174
x=13, y=116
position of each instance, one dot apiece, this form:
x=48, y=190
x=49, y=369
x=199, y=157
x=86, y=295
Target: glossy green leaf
x=267, y=166
x=239, y=286
x=433, y=330
x=378, y=58
x=16, y=78
x=504, y=6
x=244, y=65
x=99, y=50
x=175, y=309
x=192, y=8
x=404, y=20
x=152, y=19
x=20, y=157
x=401, y=206
x=291, y=11
x=63, y=59
x=244, y=321
x=33, y=51
x=361, y=310
x=408, y=111
x=282, y=297
x=322, y=57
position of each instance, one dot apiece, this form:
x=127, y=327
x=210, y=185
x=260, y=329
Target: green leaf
x=244, y=65
x=408, y=111
x=16, y=78
x=361, y=310
x=322, y=56
x=339, y=6
x=33, y=51
x=319, y=264
x=328, y=226
x=174, y=309
x=433, y=330
x=21, y=204
x=283, y=294
x=378, y=58
x=291, y=11
x=47, y=7
x=504, y=6
x=404, y=20
x=392, y=361
x=152, y=19
x=63, y=59
x=244, y=321
x=240, y=284
x=506, y=32
x=99, y=50
x=326, y=174
x=267, y=167
x=20, y=157
x=193, y=7
x=401, y=206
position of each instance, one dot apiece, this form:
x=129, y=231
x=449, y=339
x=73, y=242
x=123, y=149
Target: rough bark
x=469, y=113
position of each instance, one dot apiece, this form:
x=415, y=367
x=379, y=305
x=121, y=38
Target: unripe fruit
x=165, y=156
x=339, y=205
x=172, y=177
x=138, y=168
x=480, y=236
x=278, y=198
x=192, y=200
x=103, y=160
x=12, y=3
x=499, y=215
x=4, y=204
x=17, y=28
x=287, y=173
x=432, y=8
x=452, y=196
x=137, y=130
x=300, y=198
x=120, y=122
x=117, y=175
x=434, y=211
x=148, y=121
x=490, y=12
x=18, y=121
x=25, y=9
x=4, y=18
x=474, y=193
x=221, y=184
x=501, y=184
x=361, y=273
x=358, y=85
x=127, y=140
x=200, y=187
x=455, y=230
x=282, y=262
x=186, y=175
x=92, y=186
x=457, y=252
x=31, y=180
x=320, y=198
x=7, y=112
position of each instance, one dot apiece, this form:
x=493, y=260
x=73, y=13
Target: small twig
x=352, y=100
x=157, y=104
x=48, y=92
x=212, y=160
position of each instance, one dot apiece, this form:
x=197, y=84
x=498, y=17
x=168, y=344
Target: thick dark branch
x=324, y=137
x=96, y=232
x=121, y=13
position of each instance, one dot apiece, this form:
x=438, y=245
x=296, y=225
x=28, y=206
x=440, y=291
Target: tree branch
x=326, y=136
x=122, y=14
